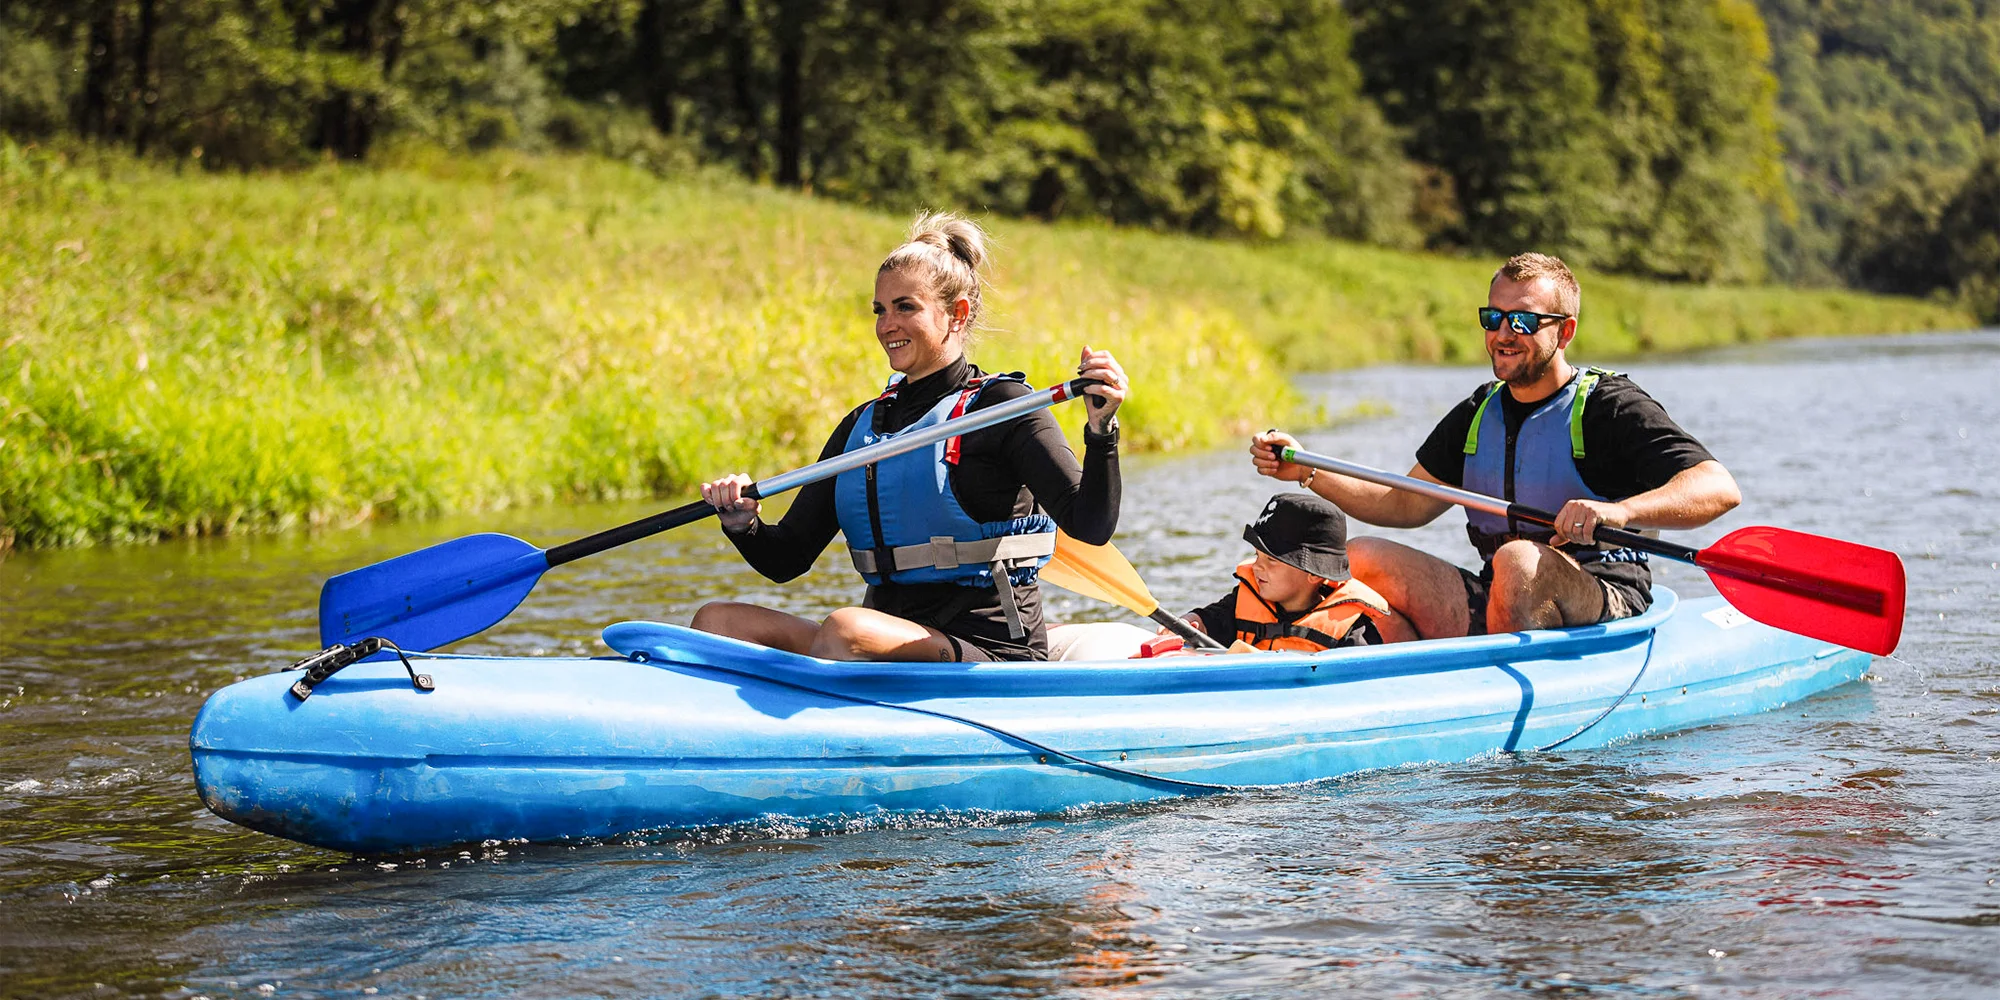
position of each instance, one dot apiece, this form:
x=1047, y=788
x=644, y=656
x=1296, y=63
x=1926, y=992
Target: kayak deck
x=708, y=730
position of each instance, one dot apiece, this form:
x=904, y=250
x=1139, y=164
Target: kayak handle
x=329, y=661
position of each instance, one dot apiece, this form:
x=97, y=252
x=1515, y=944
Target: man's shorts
x=1621, y=600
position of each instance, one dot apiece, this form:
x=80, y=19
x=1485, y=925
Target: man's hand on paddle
x=1264, y=449
x=1579, y=520
x=736, y=511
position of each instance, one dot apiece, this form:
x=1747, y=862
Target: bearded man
x=1546, y=434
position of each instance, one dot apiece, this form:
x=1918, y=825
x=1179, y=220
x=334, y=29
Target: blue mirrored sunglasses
x=1524, y=322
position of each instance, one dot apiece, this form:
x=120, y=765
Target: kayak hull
x=690, y=730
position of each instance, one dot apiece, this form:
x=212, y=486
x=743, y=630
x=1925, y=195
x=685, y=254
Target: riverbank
x=190, y=353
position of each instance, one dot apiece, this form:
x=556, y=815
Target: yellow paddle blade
x=1099, y=572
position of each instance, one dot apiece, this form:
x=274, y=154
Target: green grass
x=193, y=353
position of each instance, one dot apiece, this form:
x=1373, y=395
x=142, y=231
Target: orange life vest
x=1257, y=620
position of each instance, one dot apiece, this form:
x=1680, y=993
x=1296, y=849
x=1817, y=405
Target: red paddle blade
x=1816, y=586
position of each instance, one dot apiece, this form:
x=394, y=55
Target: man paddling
x=1545, y=434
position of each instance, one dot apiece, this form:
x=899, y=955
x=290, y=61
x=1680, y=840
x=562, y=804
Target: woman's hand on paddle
x=1578, y=521
x=736, y=511
x=1102, y=366
x=1264, y=449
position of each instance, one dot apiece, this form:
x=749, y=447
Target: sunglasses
x=1524, y=322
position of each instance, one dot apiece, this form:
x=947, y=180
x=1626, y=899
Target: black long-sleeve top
x=1003, y=472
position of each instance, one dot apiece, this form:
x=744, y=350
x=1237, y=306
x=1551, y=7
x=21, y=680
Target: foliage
x=1932, y=232
x=1873, y=94
x=1631, y=135
x=1211, y=116
x=202, y=353
x=199, y=352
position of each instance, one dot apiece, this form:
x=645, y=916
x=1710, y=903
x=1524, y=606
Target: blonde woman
x=998, y=494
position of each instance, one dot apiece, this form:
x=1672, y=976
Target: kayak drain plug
x=328, y=661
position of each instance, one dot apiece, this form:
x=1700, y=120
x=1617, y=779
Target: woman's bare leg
x=867, y=634
x=755, y=623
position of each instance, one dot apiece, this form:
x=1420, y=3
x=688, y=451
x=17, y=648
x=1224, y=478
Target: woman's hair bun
x=953, y=233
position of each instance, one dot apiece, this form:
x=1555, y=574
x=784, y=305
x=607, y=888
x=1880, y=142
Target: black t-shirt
x=1003, y=472
x=1630, y=446
x=1219, y=621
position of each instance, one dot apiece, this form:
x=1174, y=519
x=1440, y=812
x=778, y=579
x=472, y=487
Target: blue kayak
x=686, y=729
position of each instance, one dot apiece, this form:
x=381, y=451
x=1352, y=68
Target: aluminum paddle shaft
x=764, y=489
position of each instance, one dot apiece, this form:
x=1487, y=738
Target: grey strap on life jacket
x=945, y=552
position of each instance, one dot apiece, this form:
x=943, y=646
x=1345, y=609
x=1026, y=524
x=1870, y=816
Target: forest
x=1809, y=142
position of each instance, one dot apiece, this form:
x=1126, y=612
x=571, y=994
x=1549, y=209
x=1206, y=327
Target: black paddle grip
x=590, y=545
x=1615, y=536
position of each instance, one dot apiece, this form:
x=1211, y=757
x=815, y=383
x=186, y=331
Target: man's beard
x=1536, y=366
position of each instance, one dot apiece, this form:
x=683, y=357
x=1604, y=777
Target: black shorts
x=967, y=651
x=1621, y=599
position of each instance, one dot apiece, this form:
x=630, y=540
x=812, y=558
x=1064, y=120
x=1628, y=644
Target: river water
x=1846, y=846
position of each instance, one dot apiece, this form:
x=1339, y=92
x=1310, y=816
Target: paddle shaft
x=1811, y=586
x=826, y=469
x=1481, y=502
x=1194, y=637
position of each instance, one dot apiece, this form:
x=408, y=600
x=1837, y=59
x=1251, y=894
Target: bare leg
x=758, y=624
x=1427, y=590
x=1396, y=628
x=867, y=634
x=1535, y=586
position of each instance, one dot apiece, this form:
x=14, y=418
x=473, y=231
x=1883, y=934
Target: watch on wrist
x=1110, y=431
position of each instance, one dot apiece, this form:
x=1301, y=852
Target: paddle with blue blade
x=456, y=589
x=1816, y=586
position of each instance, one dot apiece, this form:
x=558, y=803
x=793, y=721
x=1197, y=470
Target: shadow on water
x=1844, y=846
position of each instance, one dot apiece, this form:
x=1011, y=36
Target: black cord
x=1601, y=716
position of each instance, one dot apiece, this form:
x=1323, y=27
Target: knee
x=843, y=635
x=719, y=618
x=1367, y=557
x=1516, y=563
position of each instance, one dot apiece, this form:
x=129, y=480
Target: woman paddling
x=997, y=494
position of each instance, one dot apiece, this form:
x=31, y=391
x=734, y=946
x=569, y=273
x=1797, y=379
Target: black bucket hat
x=1303, y=531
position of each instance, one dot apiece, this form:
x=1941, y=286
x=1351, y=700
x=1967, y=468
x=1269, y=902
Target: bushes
x=201, y=353
x=1932, y=232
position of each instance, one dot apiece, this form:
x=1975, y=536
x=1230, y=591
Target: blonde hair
x=1526, y=267
x=950, y=249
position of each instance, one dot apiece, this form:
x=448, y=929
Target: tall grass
x=200, y=353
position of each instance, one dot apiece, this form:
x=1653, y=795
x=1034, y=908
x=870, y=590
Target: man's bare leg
x=1428, y=591
x=1535, y=586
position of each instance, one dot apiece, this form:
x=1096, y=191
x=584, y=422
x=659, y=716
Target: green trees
x=1872, y=91
x=1630, y=135
x=1203, y=115
x=1930, y=232
x=1667, y=138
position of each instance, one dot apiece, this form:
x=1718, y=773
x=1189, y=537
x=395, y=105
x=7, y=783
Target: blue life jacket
x=903, y=524
x=1536, y=468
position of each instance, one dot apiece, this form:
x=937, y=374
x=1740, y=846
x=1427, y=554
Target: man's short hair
x=1526, y=267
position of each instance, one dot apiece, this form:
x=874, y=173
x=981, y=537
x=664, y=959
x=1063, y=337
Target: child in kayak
x=1296, y=593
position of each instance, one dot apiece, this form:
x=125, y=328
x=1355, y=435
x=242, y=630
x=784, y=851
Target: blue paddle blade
x=432, y=596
